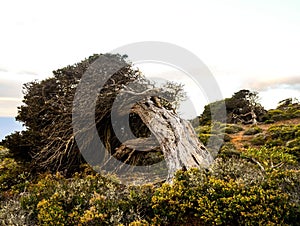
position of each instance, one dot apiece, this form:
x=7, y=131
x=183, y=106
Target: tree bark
x=176, y=137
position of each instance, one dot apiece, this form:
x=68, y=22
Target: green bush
x=227, y=147
x=233, y=192
x=258, y=140
x=278, y=115
x=292, y=111
x=269, y=121
x=232, y=129
x=296, y=114
x=287, y=181
x=204, y=138
x=231, y=165
x=293, y=143
x=196, y=198
x=216, y=128
x=213, y=135
x=274, y=143
x=11, y=213
x=253, y=130
x=88, y=200
x=268, y=157
x=275, y=112
x=283, y=132
x=227, y=138
x=295, y=152
x=12, y=175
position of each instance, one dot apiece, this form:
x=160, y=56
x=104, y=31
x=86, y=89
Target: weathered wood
x=141, y=144
x=177, y=139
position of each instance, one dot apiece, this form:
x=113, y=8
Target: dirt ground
x=239, y=139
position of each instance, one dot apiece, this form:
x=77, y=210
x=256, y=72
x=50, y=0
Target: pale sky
x=249, y=44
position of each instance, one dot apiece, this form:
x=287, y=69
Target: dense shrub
x=11, y=213
x=258, y=140
x=293, y=143
x=20, y=144
x=284, y=132
x=253, y=130
x=232, y=129
x=296, y=114
x=214, y=128
x=288, y=112
x=226, y=138
x=287, y=181
x=270, y=157
x=196, y=198
x=296, y=152
x=234, y=191
x=259, y=186
x=275, y=112
x=274, y=142
x=269, y=121
x=212, y=139
x=214, y=135
x=87, y=200
x=227, y=147
x=12, y=175
x=232, y=165
x=204, y=138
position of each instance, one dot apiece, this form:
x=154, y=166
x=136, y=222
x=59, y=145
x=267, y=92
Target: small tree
x=243, y=107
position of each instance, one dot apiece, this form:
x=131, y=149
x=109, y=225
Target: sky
x=249, y=44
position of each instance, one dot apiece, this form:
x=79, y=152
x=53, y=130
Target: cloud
x=3, y=70
x=10, y=99
x=8, y=106
x=10, y=96
x=292, y=82
x=10, y=89
x=273, y=90
x=27, y=73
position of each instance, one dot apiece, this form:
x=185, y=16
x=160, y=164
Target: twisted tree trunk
x=176, y=137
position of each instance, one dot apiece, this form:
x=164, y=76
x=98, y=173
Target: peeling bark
x=176, y=137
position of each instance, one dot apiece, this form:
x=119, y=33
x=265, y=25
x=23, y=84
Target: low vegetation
x=254, y=179
x=258, y=185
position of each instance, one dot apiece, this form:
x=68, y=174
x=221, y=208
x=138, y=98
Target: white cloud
x=271, y=97
x=238, y=40
x=8, y=107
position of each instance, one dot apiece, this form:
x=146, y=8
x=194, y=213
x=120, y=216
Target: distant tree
x=289, y=102
x=215, y=107
x=243, y=107
x=284, y=103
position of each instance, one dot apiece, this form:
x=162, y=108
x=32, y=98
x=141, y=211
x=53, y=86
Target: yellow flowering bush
x=196, y=197
x=51, y=212
x=12, y=175
x=233, y=192
x=86, y=200
x=272, y=156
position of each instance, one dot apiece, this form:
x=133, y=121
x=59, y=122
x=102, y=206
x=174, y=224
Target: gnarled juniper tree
x=49, y=140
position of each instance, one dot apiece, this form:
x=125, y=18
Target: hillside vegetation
x=254, y=180
x=247, y=173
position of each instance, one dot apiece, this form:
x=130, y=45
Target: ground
x=240, y=141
